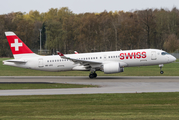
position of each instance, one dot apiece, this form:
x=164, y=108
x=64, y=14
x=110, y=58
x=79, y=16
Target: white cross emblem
x=16, y=44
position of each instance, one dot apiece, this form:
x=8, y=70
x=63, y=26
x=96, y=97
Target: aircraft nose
x=172, y=59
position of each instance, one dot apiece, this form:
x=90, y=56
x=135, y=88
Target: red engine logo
x=135, y=55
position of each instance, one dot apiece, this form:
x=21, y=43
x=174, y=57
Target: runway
x=107, y=84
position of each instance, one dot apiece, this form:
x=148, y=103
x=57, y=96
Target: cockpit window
x=165, y=53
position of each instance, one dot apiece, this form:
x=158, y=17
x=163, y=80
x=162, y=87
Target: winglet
x=75, y=52
x=59, y=53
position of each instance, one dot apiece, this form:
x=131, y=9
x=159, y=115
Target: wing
x=82, y=62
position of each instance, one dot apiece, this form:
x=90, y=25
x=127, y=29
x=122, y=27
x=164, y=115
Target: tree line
x=65, y=31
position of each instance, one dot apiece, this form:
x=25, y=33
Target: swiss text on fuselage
x=133, y=55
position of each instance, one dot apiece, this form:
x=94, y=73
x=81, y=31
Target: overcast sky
x=82, y=6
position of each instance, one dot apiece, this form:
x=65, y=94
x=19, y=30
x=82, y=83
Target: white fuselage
x=126, y=58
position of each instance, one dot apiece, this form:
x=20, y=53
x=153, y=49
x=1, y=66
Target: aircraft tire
x=91, y=76
x=95, y=75
x=161, y=72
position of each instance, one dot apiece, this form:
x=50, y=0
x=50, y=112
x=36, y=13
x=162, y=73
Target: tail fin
x=18, y=48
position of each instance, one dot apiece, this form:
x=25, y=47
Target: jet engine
x=113, y=67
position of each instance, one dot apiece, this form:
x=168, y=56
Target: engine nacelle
x=113, y=67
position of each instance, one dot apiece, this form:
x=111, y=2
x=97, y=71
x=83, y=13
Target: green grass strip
x=143, y=106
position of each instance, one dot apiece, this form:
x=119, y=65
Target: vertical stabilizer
x=18, y=48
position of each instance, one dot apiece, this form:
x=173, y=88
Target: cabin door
x=153, y=55
x=40, y=62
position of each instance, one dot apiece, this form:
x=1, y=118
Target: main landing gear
x=92, y=75
x=161, y=65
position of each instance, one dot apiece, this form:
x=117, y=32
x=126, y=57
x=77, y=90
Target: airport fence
x=176, y=54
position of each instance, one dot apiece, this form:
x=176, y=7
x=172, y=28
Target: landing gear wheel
x=92, y=75
x=95, y=75
x=161, y=72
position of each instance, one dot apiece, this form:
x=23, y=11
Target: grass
x=143, y=106
x=169, y=70
x=9, y=86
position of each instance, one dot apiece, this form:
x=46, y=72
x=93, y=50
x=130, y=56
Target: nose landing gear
x=161, y=71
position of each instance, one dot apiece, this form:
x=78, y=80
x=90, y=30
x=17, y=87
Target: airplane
x=107, y=62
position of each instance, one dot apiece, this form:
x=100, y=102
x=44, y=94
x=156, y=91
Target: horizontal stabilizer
x=15, y=61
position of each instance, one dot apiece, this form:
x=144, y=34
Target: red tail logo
x=16, y=45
